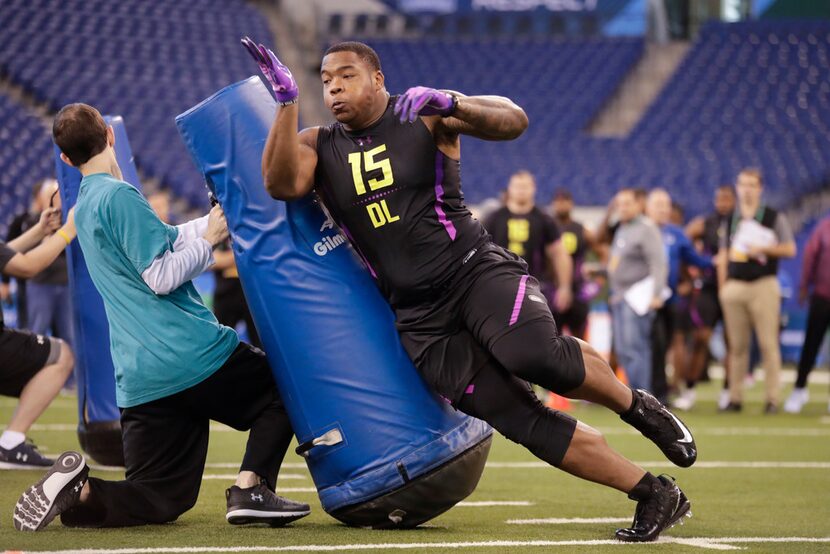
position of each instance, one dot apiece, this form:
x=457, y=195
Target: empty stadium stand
x=147, y=61
x=25, y=158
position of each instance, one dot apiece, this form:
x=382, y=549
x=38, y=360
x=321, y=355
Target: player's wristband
x=454, y=105
x=64, y=236
x=288, y=103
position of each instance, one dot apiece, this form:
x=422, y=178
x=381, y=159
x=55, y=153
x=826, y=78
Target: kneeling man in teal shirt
x=176, y=367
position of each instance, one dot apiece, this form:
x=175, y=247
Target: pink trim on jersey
x=520, y=296
x=439, y=195
x=359, y=253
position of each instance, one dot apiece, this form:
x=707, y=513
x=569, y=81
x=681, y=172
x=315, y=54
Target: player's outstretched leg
x=662, y=506
x=649, y=416
x=660, y=502
x=56, y=492
x=573, y=368
x=509, y=405
x=643, y=412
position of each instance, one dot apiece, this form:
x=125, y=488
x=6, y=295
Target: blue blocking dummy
x=99, y=428
x=384, y=451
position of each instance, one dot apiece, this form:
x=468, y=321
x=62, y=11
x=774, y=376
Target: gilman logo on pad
x=327, y=244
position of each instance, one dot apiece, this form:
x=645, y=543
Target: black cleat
x=259, y=504
x=662, y=427
x=661, y=510
x=56, y=492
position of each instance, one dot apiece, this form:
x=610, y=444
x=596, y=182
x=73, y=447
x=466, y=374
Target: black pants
x=166, y=441
x=818, y=321
x=662, y=330
x=483, y=341
x=231, y=307
x=510, y=406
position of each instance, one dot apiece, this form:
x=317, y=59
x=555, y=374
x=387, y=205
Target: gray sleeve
x=783, y=230
x=655, y=253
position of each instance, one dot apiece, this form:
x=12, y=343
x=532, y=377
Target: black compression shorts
x=23, y=354
x=704, y=309
x=492, y=311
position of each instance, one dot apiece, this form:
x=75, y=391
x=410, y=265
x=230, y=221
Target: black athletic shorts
x=704, y=309
x=681, y=314
x=22, y=355
x=451, y=336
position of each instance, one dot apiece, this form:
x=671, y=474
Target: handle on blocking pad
x=329, y=438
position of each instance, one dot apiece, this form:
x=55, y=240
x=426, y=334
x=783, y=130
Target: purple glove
x=279, y=76
x=424, y=101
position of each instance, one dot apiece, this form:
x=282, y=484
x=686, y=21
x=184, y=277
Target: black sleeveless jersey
x=715, y=226
x=398, y=200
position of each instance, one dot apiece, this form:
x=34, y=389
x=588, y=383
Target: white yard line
x=235, y=465
x=488, y=503
x=713, y=431
x=715, y=543
x=698, y=465
x=736, y=431
x=232, y=476
x=705, y=464
x=568, y=520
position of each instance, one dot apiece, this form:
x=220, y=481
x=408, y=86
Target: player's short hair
x=753, y=172
x=80, y=132
x=524, y=173
x=726, y=188
x=363, y=51
x=658, y=190
x=563, y=194
x=36, y=188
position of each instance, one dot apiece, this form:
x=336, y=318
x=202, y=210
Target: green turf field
x=735, y=505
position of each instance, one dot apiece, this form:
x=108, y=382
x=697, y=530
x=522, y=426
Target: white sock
x=10, y=439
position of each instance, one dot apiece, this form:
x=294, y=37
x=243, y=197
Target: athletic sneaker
x=662, y=427
x=23, y=456
x=259, y=504
x=731, y=407
x=686, y=400
x=56, y=492
x=723, y=399
x=663, y=509
x=796, y=401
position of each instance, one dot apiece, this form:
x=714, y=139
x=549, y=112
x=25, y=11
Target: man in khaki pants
x=755, y=238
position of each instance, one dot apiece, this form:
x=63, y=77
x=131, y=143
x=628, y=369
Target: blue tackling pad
x=99, y=428
x=329, y=335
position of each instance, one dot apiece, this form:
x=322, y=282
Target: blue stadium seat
x=147, y=61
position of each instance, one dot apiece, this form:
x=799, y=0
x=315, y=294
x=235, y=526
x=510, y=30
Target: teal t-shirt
x=160, y=345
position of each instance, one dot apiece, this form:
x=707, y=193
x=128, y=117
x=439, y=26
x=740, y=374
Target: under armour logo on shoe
x=41, y=340
x=257, y=497
x=21, y=456
x=78, y=486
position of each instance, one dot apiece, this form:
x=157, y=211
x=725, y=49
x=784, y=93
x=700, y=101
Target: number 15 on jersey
x=378, y=212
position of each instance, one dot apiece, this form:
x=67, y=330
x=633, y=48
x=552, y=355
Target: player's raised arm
x=289, y=158
x=484, y=117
